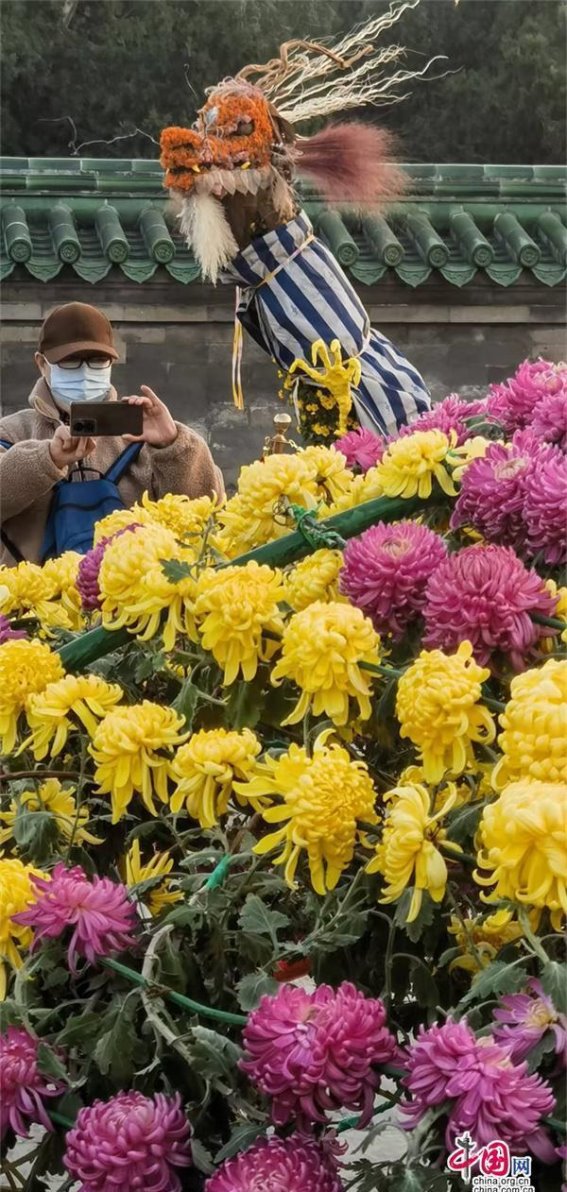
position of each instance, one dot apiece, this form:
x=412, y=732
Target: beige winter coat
x=28, y=474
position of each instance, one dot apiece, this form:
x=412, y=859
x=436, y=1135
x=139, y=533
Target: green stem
x=61, y=1120
x=187, y=1003
x=555, y=1124
x=351, y=1123
x=532, y=939
x=553, y=622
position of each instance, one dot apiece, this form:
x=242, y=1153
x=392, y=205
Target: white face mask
x=79, y=384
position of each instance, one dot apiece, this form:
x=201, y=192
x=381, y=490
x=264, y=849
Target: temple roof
x=94, y=215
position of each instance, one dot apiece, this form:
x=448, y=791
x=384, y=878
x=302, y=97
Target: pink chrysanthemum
x=99, y=910
x=522, y=1019
x=486, y=596
x=491, y=1097
x=129, y=1142
x=7, y=634
x=491, y=499
x=549, y=422
x=361, y=448
x=294, y=1164
x=385, y=573
x=545, y=509
x=451, y=414
x=513, y=402
x=22, y=1086
x=315, y=1052
x=89, y=567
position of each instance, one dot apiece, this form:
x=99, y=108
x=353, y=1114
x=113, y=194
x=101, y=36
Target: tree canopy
x=79, y=75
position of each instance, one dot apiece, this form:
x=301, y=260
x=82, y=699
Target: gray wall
x=178, y=340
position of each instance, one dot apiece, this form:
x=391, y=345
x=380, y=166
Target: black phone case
x=96, y=419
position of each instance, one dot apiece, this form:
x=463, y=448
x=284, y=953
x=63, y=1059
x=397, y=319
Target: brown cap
x=75, y=327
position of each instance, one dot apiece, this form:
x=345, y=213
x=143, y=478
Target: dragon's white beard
x=207, y=232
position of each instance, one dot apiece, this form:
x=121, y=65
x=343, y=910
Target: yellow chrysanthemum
x=322, y=649
x=160, y=896
x=59, y=803
x=234, y=607
x=71, y=703
x=331, y=475
x=206, y=768
x=16, y=894
x=481, y=938
x=361, y=489
x=314, y=578
x=30, y=591
x=164, y=605
x=254, y=516
x=411, y=464
x=534, y=727
x=26, y=667
x=125, y=564
x=119, y=520
x=408, y=853
x=324, y=797
x=523, y=843
x=62, y=573
x=475, y=784
x=438, y=709
x=464, y=455
x=185, y=517
x=133, y=751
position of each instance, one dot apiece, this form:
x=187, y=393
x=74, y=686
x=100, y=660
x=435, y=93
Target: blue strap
x=121, y=465
x=5, y=443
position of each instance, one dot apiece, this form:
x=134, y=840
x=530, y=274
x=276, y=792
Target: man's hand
x=65, y=450
x=159, y=428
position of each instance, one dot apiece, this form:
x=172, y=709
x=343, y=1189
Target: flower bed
x=284, y=820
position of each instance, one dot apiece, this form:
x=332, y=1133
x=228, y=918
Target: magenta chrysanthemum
x=294, y=1164
x=491, y=1097
x=451, y=414
x=361, y=448
x=485, y=595
x=545, y=509
x=549, y=422
x=7, y=634
x=89, y=567
x=513, y=402
x=385, y=573
x=99, y=911
x=129, y=1142
x=22, y=1086
x=315, y=1052
x=522, y=1019
x=491, y=499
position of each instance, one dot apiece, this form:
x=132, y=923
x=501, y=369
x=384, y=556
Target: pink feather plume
x=351, y=163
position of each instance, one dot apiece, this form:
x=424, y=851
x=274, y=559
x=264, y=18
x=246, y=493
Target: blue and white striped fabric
x=309, y=298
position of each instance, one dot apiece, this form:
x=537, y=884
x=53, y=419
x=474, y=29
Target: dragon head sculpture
x=233, y=170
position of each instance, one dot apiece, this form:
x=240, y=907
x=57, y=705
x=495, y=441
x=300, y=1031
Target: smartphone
x=95, y=419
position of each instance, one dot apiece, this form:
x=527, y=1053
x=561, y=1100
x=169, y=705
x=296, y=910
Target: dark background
x=76, y=71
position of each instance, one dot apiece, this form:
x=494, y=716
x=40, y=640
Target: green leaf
x=252, y=987
x=174, y=570
x=10, y=1015
x=215, y=1056
x=241, y=1138
x=425, y=918
x=463, y=823
x=424, y=986
x=257, y=919
x=186, y=702
x=116, y=1046
x=554, y=982
x=495, y=979
x=80, y=1029
x=148, y=665
x=50, y=1064
x=202, y=1158
x=245, y=703
x=35, y=833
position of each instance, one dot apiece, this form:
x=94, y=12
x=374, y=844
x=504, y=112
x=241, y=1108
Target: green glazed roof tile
x=94, y=215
